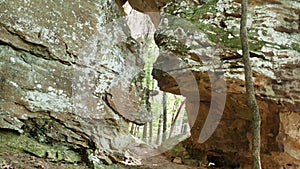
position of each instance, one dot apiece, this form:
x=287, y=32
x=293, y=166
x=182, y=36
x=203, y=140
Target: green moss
x=102, y=166
x=192, y=13
x=219, y=35
x=178, y=150
x=214, y=33
x=255, y=45
x=137, y=167
x=264, y=32
x=296, y=46
x=198, y=12
x=234, y=43
x=14, y=142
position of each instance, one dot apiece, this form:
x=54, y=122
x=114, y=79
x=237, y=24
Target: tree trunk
x=251, y=100
x=158, y=131
x=173, y=115
x=184, y=128
x=184, y=123
x=164, y=117
x=137, y=131
x=151, y=122
x=174, y=120
x=148, y=106
x=150, y=132
x=132, y=129
x=145, y=132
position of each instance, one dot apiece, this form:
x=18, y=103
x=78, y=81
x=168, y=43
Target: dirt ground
x=12, y=160
x=160, y=162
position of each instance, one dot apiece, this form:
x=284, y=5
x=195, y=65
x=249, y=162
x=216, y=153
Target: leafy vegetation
x=150, y=54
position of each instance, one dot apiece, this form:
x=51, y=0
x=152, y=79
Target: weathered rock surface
x=204, y=41
x=70, y=80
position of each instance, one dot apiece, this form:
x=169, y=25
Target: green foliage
x=150, y=53
x=149, y=56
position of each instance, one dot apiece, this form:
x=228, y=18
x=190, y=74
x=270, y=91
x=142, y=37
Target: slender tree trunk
x=174, y=120
x=164, y=117
x=251, y=100
x=173, y=115
x=158, y=131
x=184, y=124
x=136, y=131
x=151, y=122
x=148, y=106
x=145, y=132
x=132, y=129
x=150, y=132
x=184, y=127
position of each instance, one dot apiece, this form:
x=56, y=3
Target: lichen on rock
x=64, y=72
x=273, y=35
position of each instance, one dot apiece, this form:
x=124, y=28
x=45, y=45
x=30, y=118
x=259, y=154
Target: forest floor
x=161, y=162
x=13, y=160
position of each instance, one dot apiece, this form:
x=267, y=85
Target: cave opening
x=169, y=128
x=169, y=123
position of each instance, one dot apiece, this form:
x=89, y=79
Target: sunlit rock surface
x=204, y=40
x=70, y=80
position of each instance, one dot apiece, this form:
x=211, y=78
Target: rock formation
x=70, y=80
x=204, y=41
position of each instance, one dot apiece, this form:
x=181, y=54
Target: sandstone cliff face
x=70, y=80
x=204, y=41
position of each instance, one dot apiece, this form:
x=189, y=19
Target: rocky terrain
x=71, y=81
x=61, y=71
x=200, y=49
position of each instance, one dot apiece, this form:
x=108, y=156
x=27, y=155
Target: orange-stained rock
x=193, y=42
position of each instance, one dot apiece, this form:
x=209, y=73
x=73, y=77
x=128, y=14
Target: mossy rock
x=13, y=142
x=191, y=162
x=228, y=37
